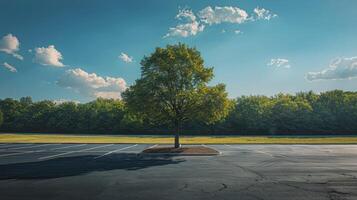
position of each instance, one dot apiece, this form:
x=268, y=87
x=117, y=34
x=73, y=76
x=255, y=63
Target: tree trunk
x=177, y=135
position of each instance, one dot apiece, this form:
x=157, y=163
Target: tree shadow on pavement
x=78, y=165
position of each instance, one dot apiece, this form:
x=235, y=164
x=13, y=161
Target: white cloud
x=18, y=56
x=189, y=28
x=262, y=13
x=126, y=58
x=92, y=85
x=279, y=63
x=10, y=45
x=49, y=56
x=185, y=30
x=9, y=67
x=186, y=14
x=195, y=23
x=340, y=68
x=218, y=15
x=238, y=32
x=62, y=101
x=108, y=95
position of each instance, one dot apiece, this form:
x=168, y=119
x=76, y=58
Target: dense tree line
x=333, y=111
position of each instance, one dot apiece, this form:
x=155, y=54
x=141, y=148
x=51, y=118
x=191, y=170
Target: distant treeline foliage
x=328, y=111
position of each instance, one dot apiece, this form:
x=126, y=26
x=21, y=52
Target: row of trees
x=173, y=92
x=333, y=110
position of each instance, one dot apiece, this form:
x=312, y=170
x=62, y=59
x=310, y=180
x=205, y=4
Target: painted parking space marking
x=14, y=145
x=70, y=152
x=20, y=153
x=210, y=146
x=28, y=147
x=232, y=146
x=155, y=145
x=110, y=152
x=77, y=145
x=263, y=152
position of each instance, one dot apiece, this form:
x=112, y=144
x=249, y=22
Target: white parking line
x=110, y=152
x=66, y=153
x=19, y=153
x=153, y=146
x=208, y=146
x=30, y=147
x=263, y=152
x=234, y=146
x=15, y=145
x=77, y=145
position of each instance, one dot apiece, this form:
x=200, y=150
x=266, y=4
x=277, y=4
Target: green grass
x=60, y=138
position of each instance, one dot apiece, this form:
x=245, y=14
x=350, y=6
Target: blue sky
x=80, y=50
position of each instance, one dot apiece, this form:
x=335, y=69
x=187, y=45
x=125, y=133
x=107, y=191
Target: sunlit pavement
x=117, y=171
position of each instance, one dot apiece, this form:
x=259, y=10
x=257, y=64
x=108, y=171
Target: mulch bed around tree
x=199, y=150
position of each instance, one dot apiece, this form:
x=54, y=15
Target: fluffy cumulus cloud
x=339, y=69
x=62, y=101
x=9, y=67
x=92, y=85
x=126, y=58
x=191, y=23
x=238, y=32
x=279, y=63
x=189, y=26
x=48, y=56
x=262, y=13
x=185, y=30
x=186, y=14
x=10, y=45
x=218, y=15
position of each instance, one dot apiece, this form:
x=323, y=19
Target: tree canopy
x=173, y=89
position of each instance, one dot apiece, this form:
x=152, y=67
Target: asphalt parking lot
x=117, y=171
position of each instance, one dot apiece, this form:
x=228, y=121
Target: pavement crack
x=333, y=194
x=224, y=186
x=184, y=187
x=349, y=175
x=336, y=195
x=300, y=188
x=259, y=175
x=339, y=192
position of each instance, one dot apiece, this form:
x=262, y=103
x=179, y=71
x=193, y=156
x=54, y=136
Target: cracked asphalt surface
x=117, y=171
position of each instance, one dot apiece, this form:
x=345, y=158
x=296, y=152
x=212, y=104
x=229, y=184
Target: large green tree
x=173, y=89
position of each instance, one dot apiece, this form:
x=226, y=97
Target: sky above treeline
x=80, y=50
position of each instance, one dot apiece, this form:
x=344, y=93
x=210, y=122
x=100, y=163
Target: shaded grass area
x=60, y=138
